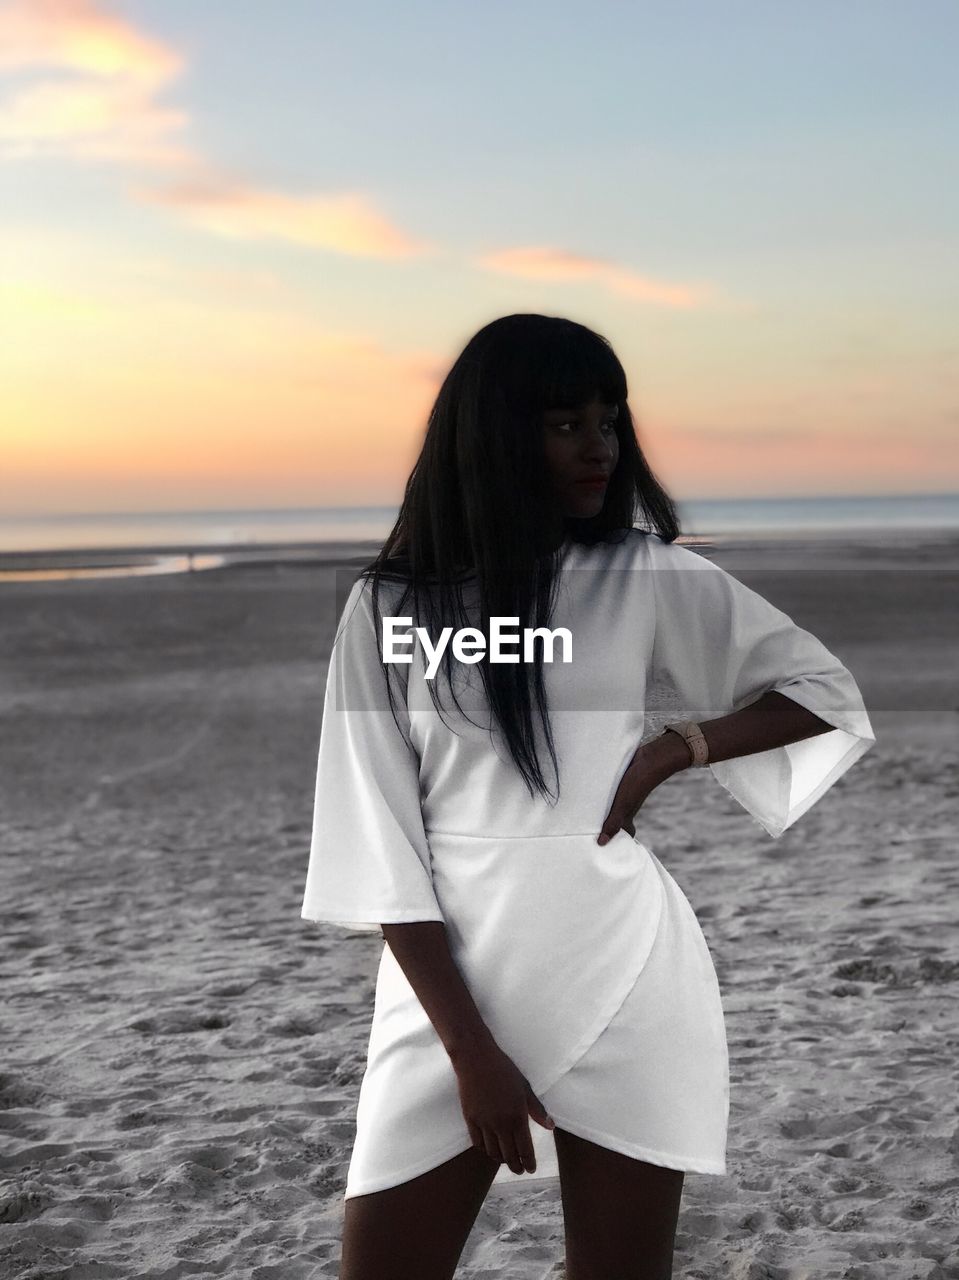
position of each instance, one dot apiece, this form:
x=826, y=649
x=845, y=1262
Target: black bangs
x=548, y=362
x=577, y=367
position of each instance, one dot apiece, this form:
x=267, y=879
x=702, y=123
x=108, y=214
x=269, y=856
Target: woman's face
x=580, y=444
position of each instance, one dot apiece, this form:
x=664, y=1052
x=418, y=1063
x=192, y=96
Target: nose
x=597, y=445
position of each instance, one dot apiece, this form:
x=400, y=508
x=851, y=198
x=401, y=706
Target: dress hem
x=395, y=1179
x=376, y=918
x=682, y=1164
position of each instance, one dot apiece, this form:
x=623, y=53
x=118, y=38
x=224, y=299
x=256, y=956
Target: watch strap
x=694, y=738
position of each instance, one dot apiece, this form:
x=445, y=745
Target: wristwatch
x=694, y=738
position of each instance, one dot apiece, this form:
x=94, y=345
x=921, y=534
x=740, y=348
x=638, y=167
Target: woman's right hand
x=497, y=1103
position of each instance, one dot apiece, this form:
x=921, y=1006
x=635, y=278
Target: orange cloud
x=345, y=222
x=92, y=121
x=79, y=36
x=560, y=266
x=108, y=110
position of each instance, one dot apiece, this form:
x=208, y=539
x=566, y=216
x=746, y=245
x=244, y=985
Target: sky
x=241, y=244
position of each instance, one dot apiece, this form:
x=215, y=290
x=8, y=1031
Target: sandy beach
x=182, y=1054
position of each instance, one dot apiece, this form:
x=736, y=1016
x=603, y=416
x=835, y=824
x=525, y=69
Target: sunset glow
x=239, y=256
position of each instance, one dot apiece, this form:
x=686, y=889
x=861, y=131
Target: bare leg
x=420, y=1227
x=620, y=1214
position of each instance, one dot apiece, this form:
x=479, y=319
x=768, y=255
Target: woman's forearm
x=422, y=951
x=774, y=720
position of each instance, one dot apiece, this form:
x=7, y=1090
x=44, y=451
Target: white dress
x=586, y=962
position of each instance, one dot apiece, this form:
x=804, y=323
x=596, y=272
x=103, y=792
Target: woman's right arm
x=494, y=1094
x=422, y=952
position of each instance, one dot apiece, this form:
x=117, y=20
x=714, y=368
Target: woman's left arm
x=773, y=721
x=782, y=717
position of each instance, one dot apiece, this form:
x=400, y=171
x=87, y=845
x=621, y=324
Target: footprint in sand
x=178, y=1022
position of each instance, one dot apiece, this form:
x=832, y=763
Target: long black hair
x=477, y=504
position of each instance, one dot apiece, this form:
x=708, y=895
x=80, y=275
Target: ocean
x=123, y=543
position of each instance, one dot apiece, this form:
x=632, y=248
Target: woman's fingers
x=492, y=1146
x=507, y=1142
x=613, y=825
x=524, y=1146
x=505, y=1145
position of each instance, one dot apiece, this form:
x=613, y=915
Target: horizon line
x=188, y=511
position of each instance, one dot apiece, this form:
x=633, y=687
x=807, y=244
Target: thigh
x=418, y=1228
x=620, y=1214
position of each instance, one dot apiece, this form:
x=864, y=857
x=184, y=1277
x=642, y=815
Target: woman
x=546, y=1002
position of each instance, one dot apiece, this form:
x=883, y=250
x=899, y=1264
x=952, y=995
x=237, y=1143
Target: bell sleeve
x=722, y=646
x=369, y=855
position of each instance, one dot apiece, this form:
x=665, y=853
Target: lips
x=597, y=481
